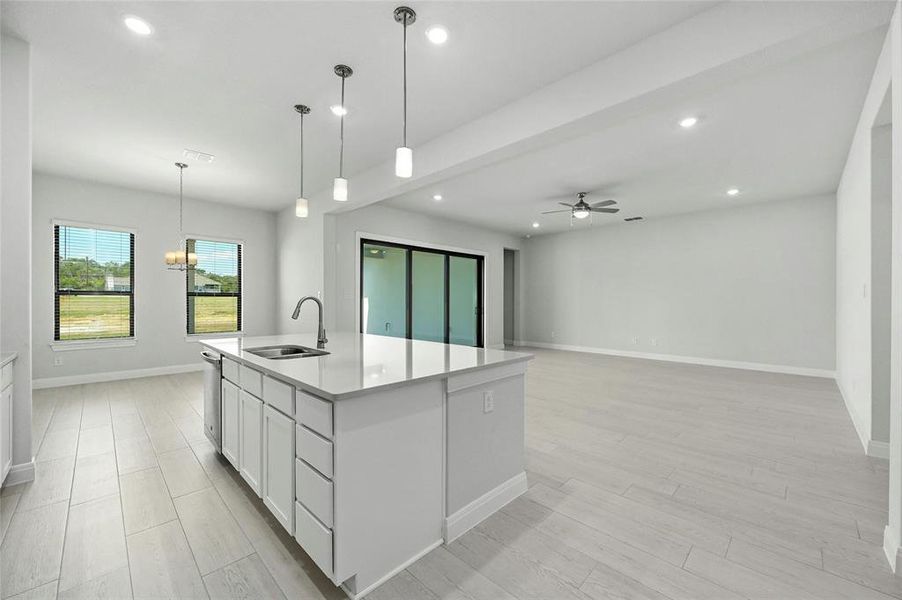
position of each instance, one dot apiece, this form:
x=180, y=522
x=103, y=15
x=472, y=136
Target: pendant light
x=404, y=155
x=340, y=184
x=301, y=208
x=181, y=260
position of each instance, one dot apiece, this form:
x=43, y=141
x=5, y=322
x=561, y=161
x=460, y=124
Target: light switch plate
x=488, y=402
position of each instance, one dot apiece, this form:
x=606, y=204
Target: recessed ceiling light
x=688, y=122
x=137, y=25
x=437, y=34
x=437, y=197
x=535, y=224
x=338, y=110
x=732, y=191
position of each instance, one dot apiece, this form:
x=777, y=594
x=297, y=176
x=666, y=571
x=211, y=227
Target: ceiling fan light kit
x=582, y=209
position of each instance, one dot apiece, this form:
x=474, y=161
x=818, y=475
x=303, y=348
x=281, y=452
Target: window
x=94, y=281
x=214, y=287
x=421, y=293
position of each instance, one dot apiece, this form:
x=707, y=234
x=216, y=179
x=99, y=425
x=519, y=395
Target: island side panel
x=388, y=482
x=485, y=445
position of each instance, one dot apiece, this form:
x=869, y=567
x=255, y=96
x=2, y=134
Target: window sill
x=68, y=345
x=194, y=337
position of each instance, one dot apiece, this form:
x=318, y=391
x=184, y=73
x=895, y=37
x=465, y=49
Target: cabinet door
x=278, y=466
x=229, y=414
x=250, y=448
x=6, y=430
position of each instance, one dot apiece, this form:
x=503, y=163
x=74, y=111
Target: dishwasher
x=212, y=405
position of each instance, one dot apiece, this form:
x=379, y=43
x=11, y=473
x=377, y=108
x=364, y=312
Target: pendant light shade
x=404, y=162
x=404, y=155
x=340, y=189
x=340, y=184
x=181, y=259
x=301, y=208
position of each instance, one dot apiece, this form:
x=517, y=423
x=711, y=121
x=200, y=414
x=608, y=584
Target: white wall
x=300, y=267
x=341, y=252
x=749, y=284
x=853, y=263
x=15, y=252
x=881, y=260
x=159, y=293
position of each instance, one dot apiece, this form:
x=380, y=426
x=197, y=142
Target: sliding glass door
x=421, y=293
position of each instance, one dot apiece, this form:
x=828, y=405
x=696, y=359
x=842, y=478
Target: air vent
x=634, y=219
x=198, y=156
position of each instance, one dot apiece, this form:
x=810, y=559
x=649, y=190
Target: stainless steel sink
x=284, y=352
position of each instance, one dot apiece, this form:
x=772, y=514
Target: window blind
x=94, y=282
x=214, y=287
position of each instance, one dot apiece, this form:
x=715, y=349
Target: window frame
x=410, y=247
x=240, y=294
x=58, y=344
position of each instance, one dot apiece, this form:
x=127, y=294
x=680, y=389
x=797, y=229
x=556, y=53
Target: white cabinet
x=6, y=431
x=278, y=466
x=250, y=446
x=230, y=417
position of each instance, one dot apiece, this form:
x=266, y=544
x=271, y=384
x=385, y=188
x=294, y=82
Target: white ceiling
x=782, y=133
x=221, y=77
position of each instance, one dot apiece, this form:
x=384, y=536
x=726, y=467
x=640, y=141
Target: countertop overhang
x=360, y=363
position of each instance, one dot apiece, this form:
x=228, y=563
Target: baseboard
x=391, y=573
x=52, y=382
x=21, y=473
x=692, y=360
x=878, y=449
x=483, y=507
x=891, y=549
x=861, y=428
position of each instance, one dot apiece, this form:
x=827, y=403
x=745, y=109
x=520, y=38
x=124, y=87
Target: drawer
x=278, y=395
x=251, y=381
x=314, y=538
x=315, y=413
x=313, y=491
x=230, y=370
x=6, y=375
x=314, y=450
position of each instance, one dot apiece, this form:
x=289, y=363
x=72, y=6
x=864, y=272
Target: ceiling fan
x=583, y=209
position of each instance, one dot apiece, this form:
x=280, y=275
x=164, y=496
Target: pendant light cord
x=181, y=177
x=341, y=151
x=405, y=82
x=302, y=155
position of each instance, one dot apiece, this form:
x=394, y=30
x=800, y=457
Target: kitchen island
x=377, y=452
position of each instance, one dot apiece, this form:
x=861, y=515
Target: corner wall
x=749, y=286
x=854, y=270
x=162, y=342
x=15, y=253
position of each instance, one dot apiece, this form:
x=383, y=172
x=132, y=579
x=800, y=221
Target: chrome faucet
x=321, y=332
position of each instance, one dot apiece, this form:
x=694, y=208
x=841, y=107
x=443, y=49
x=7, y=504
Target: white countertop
x=358, y=363
x=7, y=357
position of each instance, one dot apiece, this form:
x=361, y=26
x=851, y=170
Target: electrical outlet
x=488, y=402
x=552, y=335
x=654, y=341
x=57, y=361
x=635, y=339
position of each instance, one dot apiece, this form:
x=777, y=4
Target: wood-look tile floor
x=647, y=480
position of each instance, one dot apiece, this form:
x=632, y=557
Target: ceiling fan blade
x=549, y=212
x=565, y=204
x=605, y=210
x=604, y=203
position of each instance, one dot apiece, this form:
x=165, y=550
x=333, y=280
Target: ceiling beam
x=729, y=41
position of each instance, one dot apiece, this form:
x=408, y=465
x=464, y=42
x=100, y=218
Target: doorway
x=510, y=296
x=421, y=293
